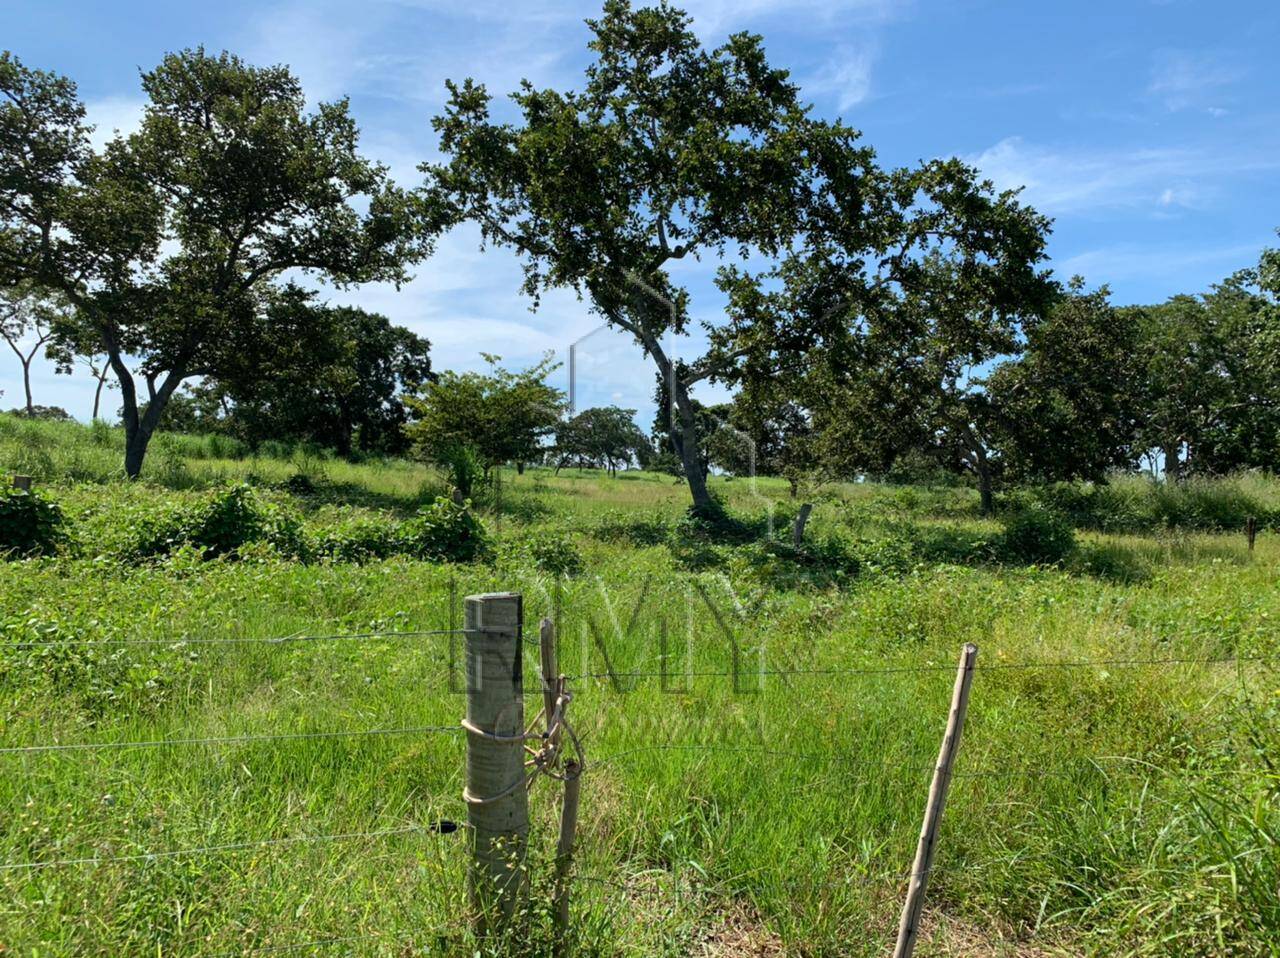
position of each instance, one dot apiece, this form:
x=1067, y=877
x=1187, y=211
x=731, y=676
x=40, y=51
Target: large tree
x=1211, y=375
x=670, y=152
x=338, y=382
x=600, y=436
x=1067, y=408
x=168, y=241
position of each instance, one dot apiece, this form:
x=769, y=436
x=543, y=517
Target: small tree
x=167, y=242
x=500, y=416
x=27, y=323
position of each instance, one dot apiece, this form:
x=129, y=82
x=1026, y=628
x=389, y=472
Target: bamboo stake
x=909, y=928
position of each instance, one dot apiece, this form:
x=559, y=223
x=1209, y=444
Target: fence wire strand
x=229, y=739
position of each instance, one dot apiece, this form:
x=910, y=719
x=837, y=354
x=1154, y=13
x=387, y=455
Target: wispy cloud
x=1191, y=268
x=845, y=78
x=1083, y=180
x=1181, y=80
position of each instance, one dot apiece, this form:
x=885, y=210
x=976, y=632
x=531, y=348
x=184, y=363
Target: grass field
x=1114, y=795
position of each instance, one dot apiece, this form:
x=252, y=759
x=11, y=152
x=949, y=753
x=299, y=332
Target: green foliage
x=30, y=524
x=360, y=538
x=604, y=436
x=1144, y=505
x=222, y=523
x=224, y=149
x=544, y=549
x=446, y=532
x=463, y=468
x=502, y=416
x=1068, y=407
x=1038, y=534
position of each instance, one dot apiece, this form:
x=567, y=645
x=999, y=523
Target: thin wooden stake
x=22, y=482
x=550, y=673
x=496, y=796
x=564, y=854
x=1251, y=530
x=918, y=883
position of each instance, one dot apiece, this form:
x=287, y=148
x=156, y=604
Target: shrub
x=715, y=523
x=446, y=531
x=30, y=524
x=360, y=540
x=220, y=525
x=1037, y=534
x=546, y=550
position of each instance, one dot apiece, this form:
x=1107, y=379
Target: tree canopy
x=169, y=241
x=501, y=416
x=671, y=151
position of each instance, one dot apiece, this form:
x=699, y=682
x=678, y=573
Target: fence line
x=895, y=670
x=229, y=739
x=234, y=640
x=170, y=853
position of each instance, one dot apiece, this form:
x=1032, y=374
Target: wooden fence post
x=22, y=482
x=1251, y=530
x=495, y=792
x=918, y=883
x=564, y=855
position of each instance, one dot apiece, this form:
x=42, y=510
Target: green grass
x=1111, y=809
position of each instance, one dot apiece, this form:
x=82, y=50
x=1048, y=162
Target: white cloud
x=1180, y=79
x=1079, y=180
x=1191, y=268
x=112, y=115
x=846, y=77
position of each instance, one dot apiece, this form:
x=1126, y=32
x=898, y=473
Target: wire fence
x=849, y=767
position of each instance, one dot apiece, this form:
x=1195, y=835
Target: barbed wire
x=224, y=847
x=892, y=670
x=228, y=739
x=232, y=640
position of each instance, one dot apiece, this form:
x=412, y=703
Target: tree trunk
x=1172, y=465
x=26, y=385
x=797, y=529
x=684, y=440
x=97, y=394
x=138, y=429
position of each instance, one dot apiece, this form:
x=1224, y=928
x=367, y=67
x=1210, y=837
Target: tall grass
x=1108, y=809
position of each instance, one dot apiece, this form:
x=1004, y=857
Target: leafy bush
x=446, y=531
x=1037, y=534
x=220, y=525
x=463, y=468
x=30, y=524
x=546, y=550
x=715, y=523
x=360, y=540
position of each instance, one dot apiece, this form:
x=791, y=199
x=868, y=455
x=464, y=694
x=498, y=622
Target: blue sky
x=1148, y=129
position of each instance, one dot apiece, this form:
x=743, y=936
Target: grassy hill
x=1115, y=795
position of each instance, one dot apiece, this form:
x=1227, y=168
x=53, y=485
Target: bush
x=1037, y=534
x=30, y=524
x=220, y=525
x=360, y=540
x=547, y=551
x=446, y=531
